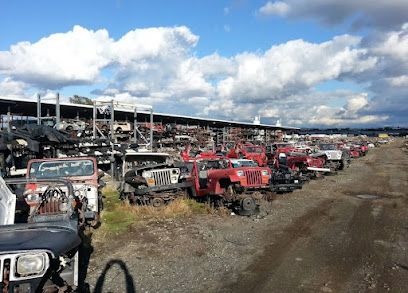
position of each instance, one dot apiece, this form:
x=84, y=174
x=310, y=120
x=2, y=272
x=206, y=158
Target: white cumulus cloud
x=159, y=66
x=277, y=7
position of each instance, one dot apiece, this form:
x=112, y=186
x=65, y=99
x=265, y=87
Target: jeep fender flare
x=233, y=178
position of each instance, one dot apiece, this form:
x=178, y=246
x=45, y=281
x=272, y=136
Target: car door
x=7, y=204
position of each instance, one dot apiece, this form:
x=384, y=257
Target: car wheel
x=157, y=202
x=247, y=206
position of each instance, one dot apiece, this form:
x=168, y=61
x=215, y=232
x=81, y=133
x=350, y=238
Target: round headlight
x=31, y=264
x=240, y=173
x=147, y=174
x=265, y=173
x=32, y=197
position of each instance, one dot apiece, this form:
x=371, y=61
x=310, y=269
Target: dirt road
x=344, y=233
x=354, y=241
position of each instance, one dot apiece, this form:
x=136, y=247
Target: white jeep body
x=75, y=125
x=122, y=126
x=7, y=204
x=332, y=155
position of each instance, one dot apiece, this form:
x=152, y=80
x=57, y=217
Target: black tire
x=157, y=202
x=247, y=206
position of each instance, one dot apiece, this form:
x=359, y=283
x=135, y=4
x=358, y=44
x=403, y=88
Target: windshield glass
x=212, y=164
x=134, y=161
x=237, y=164
x=283, y=145
x=55, y=169
x=327, y=147
x=256, y=150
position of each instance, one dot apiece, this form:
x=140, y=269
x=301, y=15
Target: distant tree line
x=80, y=100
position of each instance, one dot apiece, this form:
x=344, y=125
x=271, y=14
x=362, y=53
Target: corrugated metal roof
x=127, y=110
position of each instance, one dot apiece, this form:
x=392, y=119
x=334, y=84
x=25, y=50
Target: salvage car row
x=43, y=216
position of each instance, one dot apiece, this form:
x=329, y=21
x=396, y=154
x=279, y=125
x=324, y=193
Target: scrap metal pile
x=44, y=214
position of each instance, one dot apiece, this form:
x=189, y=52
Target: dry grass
x=118, y=217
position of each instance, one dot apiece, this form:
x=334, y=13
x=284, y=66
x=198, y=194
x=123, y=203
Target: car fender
x=235, y=178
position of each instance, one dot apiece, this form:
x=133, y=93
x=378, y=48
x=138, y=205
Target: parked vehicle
x=39, y=237
x=282, y=178
x=82, y=172
x=214, y=179
x=249, y=151
x=118, y=127
x=335, y=159
x=122, y=127
x=362, y=149
x=152, y=178
x=303, y=164
x=71, y=125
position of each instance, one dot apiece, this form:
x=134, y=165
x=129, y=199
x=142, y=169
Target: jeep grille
x=162, y=177
x=254, y=177
x=51, y=207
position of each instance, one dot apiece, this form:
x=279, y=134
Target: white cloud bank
x=158, y=66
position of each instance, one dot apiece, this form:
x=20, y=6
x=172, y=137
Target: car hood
x=57, y=239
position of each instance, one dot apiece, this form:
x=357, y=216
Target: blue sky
x=32, y=20
x=245, y=35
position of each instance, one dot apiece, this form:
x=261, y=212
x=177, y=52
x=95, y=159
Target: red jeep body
x=214, y=176
x=215, y=179
x=250, y=152
x=284, y=148
x=301, y=163
x=363, y=149
x=354, y=153
x=298, y=160
x=186, y=154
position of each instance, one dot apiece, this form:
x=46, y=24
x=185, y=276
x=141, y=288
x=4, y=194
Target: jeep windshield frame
x=61, y=168
x=254, y=150
x=327, y=147
x=204, y=165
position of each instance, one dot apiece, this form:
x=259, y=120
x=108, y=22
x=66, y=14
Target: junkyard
x=275, y=212
x=204, y=146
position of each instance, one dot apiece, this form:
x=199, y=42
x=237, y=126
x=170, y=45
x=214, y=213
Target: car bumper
x=162, y=188
x=31, y=285
x=286, y=187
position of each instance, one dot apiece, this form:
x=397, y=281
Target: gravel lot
x=342, y=233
